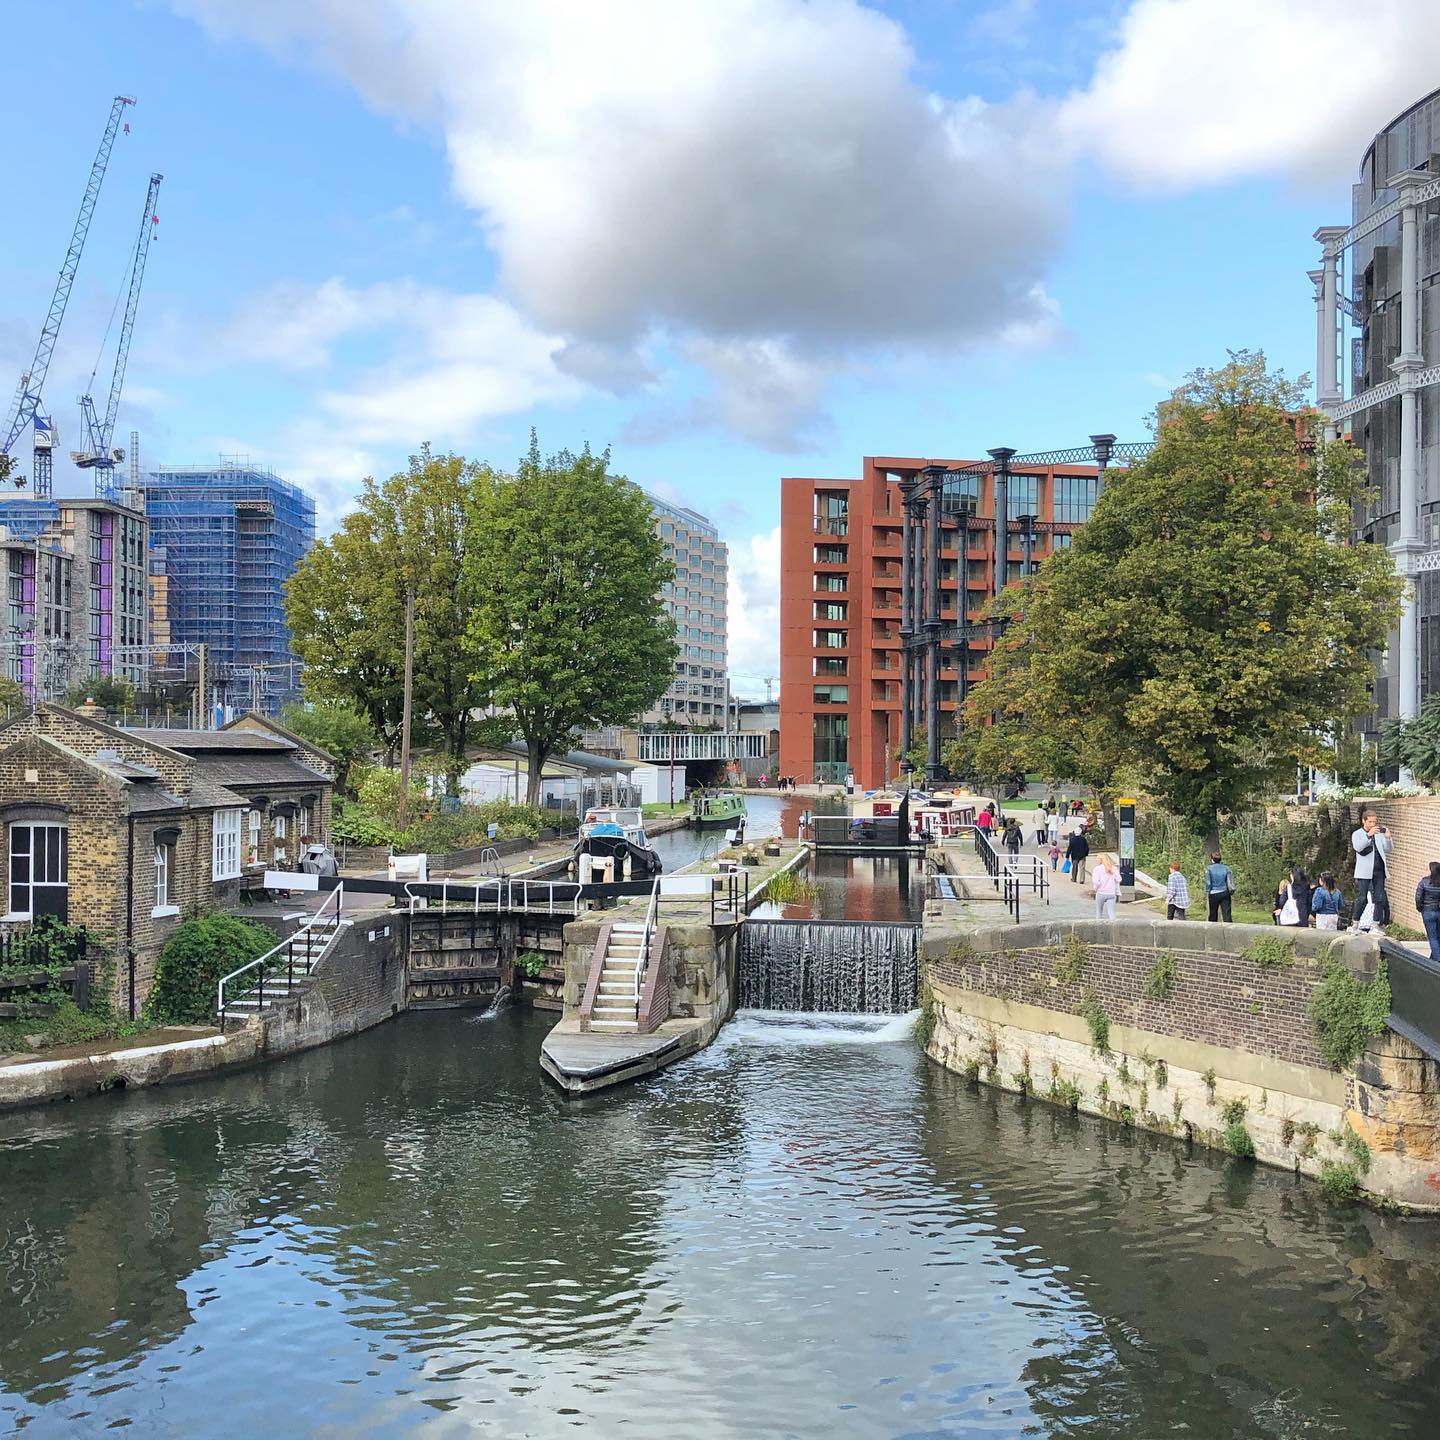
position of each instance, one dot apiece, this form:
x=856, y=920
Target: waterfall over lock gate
x=837, y=966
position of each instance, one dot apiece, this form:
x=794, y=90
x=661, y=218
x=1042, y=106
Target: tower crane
x=32, y=381
x=100, y=457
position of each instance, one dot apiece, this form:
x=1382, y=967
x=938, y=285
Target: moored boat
x=716, y=809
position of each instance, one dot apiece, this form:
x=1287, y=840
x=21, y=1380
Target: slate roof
x=147, y=800
x=190, y=742
x=250, y=771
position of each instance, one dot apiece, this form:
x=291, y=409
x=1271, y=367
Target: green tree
x=568, y=625
x=336, y=726
x=1212, y=619
x=346, y=605
x=12, y=696
x=1415, y=743
x=913, y=759
x=112, y=694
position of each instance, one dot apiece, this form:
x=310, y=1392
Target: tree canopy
x=342, y=729
x=346, y=605
x=1211, y=622
x=568, y=624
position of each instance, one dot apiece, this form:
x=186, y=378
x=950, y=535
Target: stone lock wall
x=1230, y=1032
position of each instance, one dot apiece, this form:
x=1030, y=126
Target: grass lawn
x=663, y=807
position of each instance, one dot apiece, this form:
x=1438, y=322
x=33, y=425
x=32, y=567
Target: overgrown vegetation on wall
x=1347, y=1012
x=47, y=1014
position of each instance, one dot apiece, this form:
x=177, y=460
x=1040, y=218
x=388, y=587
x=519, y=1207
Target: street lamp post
x=1103, y=447
x=1027, y=526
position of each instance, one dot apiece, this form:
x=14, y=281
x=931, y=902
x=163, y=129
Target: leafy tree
x=913, y=759
x=112, y=694
x=568, y=625
x=1415, y=743
x=1211, y=621
x=194, y=960
x=12, y=696
x=336, y=726
x=346, y=605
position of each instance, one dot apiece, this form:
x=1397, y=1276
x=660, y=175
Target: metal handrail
x=319, y=922
x=645, y=940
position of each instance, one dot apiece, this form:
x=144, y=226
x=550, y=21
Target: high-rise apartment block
x=696, y=598
x=75, y=598
x=1378, y=287
x=851, y=647
x=224, y=539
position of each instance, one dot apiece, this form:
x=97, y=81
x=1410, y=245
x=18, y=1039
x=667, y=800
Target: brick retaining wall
x=1219, y=998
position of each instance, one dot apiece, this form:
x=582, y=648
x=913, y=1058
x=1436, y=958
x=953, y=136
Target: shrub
x=354, y=825
x=1339, y=1181
x=192, y=963
x=1070, y=960
x=1232, y=1112
x=1270, y=952
x=1067, y=1093
x=1238, y=1141
x=1209, y=1078
x=1093, y=1013
x=1161, y=978
x=925, y=1025
x=788, y=888
x=530, y=963
x=1346, y=1012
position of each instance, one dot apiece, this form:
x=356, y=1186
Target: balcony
x=831, y=525
x=885, y=570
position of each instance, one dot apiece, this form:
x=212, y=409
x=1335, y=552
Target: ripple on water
x=806, y=1230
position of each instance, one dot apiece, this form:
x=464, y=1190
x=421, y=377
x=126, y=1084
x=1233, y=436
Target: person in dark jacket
x=1427, y=902
x=1296, y=888
x=1077, y=852
x=1013, y=838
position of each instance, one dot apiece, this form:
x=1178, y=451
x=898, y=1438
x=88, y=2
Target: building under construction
x=224, y=539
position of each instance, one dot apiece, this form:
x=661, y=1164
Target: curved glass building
x=1377, y=298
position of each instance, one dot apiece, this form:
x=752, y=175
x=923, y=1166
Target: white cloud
x=1203, y=91
x=754, y=610
x=454, y=361
x=757, y=181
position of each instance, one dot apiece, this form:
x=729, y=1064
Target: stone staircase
x=615, y=1007
x=286, y=970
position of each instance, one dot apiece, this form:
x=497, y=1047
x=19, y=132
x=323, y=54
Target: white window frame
x=302, y=822
x=279, y=826
x=254, y=842
x=225, y=845
x=162, y=881
x=32, y=826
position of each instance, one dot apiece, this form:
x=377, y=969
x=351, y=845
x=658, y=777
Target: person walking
x=1107, y=888
x=1054, y=854
x=1427, y=902
x=1052, y=826
x=1077, y=852
x=1219, y=887
x=1292, y=905
x=1013, y=838
x=1326, y=902
x=985, y=822
x=1042, y=820
x=1371, y=844
x=1177, y=893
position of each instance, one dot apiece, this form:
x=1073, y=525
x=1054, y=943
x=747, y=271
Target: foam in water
x=772, y=1027
x=829, y=966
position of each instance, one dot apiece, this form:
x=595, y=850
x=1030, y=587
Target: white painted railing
x=321, y=928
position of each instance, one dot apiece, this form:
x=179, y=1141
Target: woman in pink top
x=1106, y=879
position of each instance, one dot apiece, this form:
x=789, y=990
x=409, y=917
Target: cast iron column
x=1002, y=456
x=934, y=484
x=907, y=609
x=1101, y=445
x=917, y=613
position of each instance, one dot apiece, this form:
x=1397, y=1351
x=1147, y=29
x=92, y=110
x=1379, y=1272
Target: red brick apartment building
x=841, y=610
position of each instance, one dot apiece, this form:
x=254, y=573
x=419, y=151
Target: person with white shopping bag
x=1371, y=844
x=1326, y=902
x=1293, y=900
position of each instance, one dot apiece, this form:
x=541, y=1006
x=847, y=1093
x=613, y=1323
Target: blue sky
x=731, y=241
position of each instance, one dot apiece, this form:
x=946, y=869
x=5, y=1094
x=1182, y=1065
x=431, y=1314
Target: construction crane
x=100, y=457
x=32, y=381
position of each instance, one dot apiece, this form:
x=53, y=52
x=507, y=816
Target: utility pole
x=405, y=708
x=202, y=709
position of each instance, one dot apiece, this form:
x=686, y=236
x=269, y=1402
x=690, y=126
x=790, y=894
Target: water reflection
x=804, y=1230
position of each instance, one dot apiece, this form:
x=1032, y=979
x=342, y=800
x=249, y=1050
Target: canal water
x=887, y=887
x=808, y=1230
